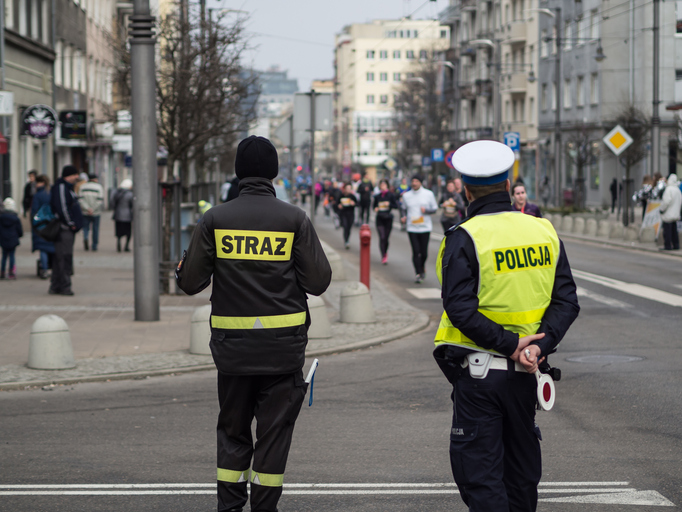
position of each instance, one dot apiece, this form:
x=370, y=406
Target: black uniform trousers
x=62, y=262
x=275, y=402
x=670, y=236
x=494, y=442
x=384, y=226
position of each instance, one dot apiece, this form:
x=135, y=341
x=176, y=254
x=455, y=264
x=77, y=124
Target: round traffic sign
x=448, y=159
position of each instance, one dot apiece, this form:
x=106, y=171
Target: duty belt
x=498, y=363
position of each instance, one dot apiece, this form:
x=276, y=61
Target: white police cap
x=483, y=162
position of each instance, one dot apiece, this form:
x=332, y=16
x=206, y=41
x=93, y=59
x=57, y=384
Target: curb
x=620, y=245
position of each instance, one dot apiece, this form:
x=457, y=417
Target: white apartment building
x=371, y=61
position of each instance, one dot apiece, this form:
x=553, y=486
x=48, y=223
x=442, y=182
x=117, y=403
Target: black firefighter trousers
x=275, y=402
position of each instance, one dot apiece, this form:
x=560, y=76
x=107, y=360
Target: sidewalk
x=109, y=344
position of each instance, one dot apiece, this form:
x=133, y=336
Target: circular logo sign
x=39, y=121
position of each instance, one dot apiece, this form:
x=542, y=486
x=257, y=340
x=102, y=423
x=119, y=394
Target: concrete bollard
x=336, y=263
x=591, y=227
x=356, y=305
x=616, y=230
x=556, y=221
x=319, y=321
x=631, y=234
x=567, y=224
x=200, y=331
x=647, y=235
x=578, y=225
x=547, y=216
x=49, y=347
x=604, y=228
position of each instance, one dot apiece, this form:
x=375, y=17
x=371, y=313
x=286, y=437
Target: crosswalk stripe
x=635, y=289
x=425, y=293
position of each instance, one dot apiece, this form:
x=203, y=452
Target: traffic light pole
x=145, y=180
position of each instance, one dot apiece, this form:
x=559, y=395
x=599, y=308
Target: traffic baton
x=310, y=379
x=545, y=390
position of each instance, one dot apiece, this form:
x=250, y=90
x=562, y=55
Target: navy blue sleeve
x=460, y=296
x=562, y=310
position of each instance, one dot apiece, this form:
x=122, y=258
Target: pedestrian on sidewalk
x=10, y=233
x=65, y=207
x=613, y=188
x=264, y=257
x=91, y=196
x=346, y=209
x=670, y=207
x=521, y=203
x=364, y=194
x=515, y=306
x=384, y=202
x=452, y=205
x=123, y=213
x=419, y=204
x=29, y=191
x=41, y=197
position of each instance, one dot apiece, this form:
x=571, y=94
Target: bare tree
x=580, y=153
x=421, y=119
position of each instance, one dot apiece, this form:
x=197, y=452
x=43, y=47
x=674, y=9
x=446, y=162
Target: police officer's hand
x=530, y=364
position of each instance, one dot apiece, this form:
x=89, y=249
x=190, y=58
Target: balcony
x=467, y=5
x=516, y=32
x=467, y=90
x=514, y=83
x=520, y=128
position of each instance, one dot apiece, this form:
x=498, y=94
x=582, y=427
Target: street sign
x=617, y=140
x=6, y=103
x=513, y=140
x=390, y=163
x=323, y=111
x=426, y=163
x=437, y=155
x=448, y=159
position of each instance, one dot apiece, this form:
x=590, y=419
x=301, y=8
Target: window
x=567, y=93
x=423, y=54
x=594, y=26
x=409, y=54
x=580, y=91
x=35, y=25
x=678, y=12
x=383, y=77
x=383, y=54
x=678, y=86
x=9, y=13
x=409, y=75
x=383, y=99
x=544, y=44
x=396, y=77
x=91, y=77
x=370, y=77
x=45, y=19
x=396, y=54
x=554, y=40
x=594, y=88
x=370, y=99
x=370, y=54
x=415, y=34
x=58, y=63
x=554, y=102
x=507, y=111
x=443, y=34
x=583, y=33
x=68, y=66
x=543, y=97
x=23, y=20
x=567, y=39
x=531, y=109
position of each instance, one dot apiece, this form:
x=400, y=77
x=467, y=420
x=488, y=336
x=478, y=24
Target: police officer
x=264, y=256
x=507, y=288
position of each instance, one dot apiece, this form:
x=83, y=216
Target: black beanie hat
x=256, y=158
x=418, y=177
x=69, y=170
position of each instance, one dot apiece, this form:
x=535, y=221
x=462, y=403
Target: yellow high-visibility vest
x=517, y=257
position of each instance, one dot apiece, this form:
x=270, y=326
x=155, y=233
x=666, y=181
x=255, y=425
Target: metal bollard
x=200, y=331
x=49, y=347
x=365, y=239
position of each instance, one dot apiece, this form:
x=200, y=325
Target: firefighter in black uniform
x=264, y=256
x=509, y=298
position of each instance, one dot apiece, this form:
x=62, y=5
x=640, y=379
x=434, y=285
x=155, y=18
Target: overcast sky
x=298, y=35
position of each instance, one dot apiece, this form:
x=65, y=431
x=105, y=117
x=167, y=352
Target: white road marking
x=635, y=289
x=425, y=293
x=576, y=492
x=582, y=292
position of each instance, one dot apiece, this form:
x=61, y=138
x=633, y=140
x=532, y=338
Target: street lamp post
x=655, y=118
x=497, y=96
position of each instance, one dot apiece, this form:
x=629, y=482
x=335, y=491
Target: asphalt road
x=376, y=437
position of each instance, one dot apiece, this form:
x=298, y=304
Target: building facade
x=371, y=62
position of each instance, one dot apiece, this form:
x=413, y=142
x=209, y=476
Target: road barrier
x=49, y=346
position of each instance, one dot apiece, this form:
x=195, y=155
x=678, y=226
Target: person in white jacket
x=419, y=204
x=670, y=213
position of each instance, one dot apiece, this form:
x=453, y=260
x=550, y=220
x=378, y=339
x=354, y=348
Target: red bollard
x=365, y=239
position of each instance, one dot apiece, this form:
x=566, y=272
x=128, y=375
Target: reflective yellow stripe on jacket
x=517, y=261
x=258, y=322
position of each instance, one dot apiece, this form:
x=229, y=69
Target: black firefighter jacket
x=265, y=257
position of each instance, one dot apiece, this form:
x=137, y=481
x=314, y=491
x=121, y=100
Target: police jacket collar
x=492, y=203
x=256, y=187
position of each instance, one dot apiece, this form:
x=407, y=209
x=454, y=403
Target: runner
x=419, y=204
x=384, y=202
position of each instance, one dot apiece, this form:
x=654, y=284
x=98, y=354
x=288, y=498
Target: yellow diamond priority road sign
x=617, y=140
